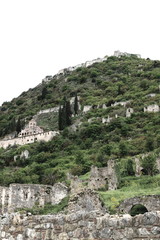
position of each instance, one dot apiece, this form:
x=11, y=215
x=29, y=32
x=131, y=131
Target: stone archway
x=137, y=209
x=151, y=203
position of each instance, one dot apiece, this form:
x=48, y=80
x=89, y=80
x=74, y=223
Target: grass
x=48, y=208
x=85, y=177
x=131, y=187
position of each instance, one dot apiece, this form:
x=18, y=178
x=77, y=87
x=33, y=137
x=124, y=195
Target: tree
x=149, y=145
x=123, y=149
x=129, y=168
x=149, y=164
x=65, y=114
x=18, y=125
x=60, y=120
x=44, y=92
x=68, y=113
x=12, y=125
x=76, y=105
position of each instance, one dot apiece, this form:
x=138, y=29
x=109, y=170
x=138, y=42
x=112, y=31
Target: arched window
x=138, y=209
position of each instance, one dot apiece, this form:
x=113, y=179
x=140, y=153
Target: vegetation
x=126, y=79
x=48, y=208
x=131, y=187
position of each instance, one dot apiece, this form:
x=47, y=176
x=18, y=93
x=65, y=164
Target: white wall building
x=30, y=134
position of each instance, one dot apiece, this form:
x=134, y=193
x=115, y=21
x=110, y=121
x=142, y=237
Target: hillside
x=117, y=117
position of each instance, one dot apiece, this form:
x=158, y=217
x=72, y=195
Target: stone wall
x=152, y=108
x=80, y=225
x=103, y=177
x=86, y=200
x=120, y=54
x=49, y=110
x=151, y=202
x=28, y=195
x=86, y=64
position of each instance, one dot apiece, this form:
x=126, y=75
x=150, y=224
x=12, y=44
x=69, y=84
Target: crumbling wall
x=28, y=195
x=103, y=177
x=152, y=108
x=86, y=200
x=151, y=202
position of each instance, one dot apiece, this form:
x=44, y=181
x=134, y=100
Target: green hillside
x=132, y=80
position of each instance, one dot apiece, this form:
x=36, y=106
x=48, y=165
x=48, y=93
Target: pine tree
x=76, y=105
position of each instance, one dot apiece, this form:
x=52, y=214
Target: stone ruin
x=129, y=112
x=86, y=64
x=86, y=200
x=18, y=196
x=76, y=184
x=120, y=54
x=138, y=169
x=80, y=226
x=103, y=177
x=152, y=108
x=150, y=202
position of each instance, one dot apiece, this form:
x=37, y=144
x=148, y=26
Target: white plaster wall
x=152, y=108
x=119, y=103
x=129, y=112
x=47, y=136
x=55, y=109
x=87, y=108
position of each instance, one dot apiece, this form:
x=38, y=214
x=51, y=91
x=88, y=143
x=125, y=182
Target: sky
x=40, y=37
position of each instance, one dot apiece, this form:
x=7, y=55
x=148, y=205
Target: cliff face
x=80, y=225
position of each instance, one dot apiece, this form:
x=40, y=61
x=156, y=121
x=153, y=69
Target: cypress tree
x=76, y=105
x=60, y=120
x=65, y=114
x=13, y=124
x=18, y=125
x=44, y=92
x=68, y=113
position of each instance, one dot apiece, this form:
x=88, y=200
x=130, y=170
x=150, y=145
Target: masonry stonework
x=80, y=226
x=18, y=196
x=105, y=177
x=151, y=202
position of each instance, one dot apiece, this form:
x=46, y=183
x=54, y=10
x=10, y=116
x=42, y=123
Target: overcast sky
x=40, y=37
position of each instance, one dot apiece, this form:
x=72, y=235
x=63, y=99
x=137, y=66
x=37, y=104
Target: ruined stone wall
x=102, y=177
x=151, y=202
x=152, y=108
x=80, y=225
x=49, y=110
x=86, y=64
x=18, y=196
